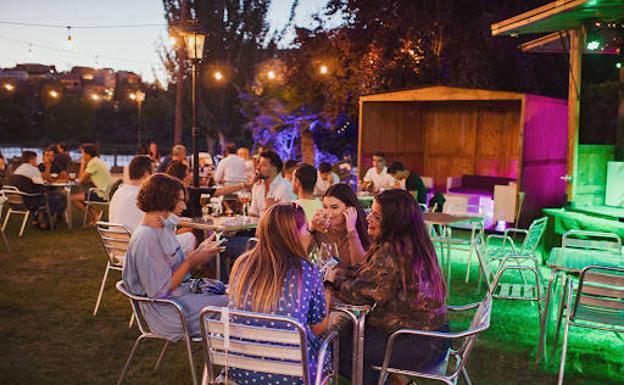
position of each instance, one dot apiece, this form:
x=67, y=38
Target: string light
x=218, y=76
x=9, y=87
x=271, y=74
x=323, y=70
x=69, y=37
x=53, y=94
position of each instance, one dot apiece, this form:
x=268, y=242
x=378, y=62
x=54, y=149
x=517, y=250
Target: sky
x=132, y=49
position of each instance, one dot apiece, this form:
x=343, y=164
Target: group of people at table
x=386, y=258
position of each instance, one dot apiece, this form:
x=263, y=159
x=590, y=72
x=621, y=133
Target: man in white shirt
x=378, y=174
x=304, y=179
x=231, y=169
x=272, y=187
x=123, y=208
x=29, y=168
x=325, y=178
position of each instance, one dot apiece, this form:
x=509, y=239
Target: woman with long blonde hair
x=276, y=277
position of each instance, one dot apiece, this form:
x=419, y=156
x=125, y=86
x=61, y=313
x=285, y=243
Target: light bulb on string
x=70, y=40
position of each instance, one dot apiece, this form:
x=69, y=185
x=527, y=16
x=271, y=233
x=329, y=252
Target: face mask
x=171, y=222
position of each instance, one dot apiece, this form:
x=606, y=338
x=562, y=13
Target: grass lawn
x=48, y=287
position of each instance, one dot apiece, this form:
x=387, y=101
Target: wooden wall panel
x=498, y=139
x=394, y=128
x=450, y=140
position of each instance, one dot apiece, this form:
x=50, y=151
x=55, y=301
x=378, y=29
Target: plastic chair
x=89, y=203
x=115, y=239
x=269, y=350
x=479, y=324
x=146, y=333
x=16, y=201
x=599, y=304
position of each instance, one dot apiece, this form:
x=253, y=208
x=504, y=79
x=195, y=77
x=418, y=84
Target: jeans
x=410, y=352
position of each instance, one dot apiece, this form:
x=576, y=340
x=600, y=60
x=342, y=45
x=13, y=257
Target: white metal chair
x=101, y=205
x=599, y=304
x=251, y=243
x=3, y=199
x=147, y=333
x=281, y=351
x=475, y=227
x=16, y=202
x=115, y=239
x=442, y=373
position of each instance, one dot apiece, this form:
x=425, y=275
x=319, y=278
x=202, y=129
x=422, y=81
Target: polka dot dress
x=302, y=300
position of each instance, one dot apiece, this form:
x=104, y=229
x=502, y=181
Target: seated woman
x=157, y=267
x=402, y=276
x=270, y=276
x=341, y=221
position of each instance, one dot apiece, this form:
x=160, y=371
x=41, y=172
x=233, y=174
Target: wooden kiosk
x=445, y=132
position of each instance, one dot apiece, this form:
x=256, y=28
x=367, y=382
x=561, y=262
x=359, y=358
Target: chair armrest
x=442, y=335
x=463, y=307
x=505, y=238
x=515, y=230
x=322, y=355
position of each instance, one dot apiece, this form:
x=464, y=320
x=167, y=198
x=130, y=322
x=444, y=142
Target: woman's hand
x=206, y=250
x=351, y=217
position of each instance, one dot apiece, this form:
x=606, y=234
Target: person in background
x=377, y=178
x=178, y=152
x=272, y=187
x=27, y=178
x=401, y=274
x=157, y=267
x=289, y=169
x=270, y=276
x=231, y=169
x=3, y=166
x=304, y=180
x=62, y=158
x=49, y=166
x=409, y=181
x=250, y=168
x=93, y=172
x=326, y=177
x=180, y=171
x=341, y=221
x=153, y=153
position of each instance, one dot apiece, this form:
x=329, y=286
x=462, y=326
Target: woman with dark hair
x=402, y=276
x=275, y=277
x=180, y=171
x=157, y=267
x=341, y=221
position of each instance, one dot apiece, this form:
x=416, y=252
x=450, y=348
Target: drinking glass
x=244, y=197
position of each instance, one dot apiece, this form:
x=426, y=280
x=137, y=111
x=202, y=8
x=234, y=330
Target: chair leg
x=564, y=349
x=24, y=221
x=99, y=297
x=466, y=377
x=131, y=322
x=472, y=236
x=162, y=354
x=189, y=352
x=6, y=219
x=6, y=241
x=84, y=216
x=562, y=305
x=129, y=360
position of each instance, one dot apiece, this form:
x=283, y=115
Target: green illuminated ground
x=49, y=284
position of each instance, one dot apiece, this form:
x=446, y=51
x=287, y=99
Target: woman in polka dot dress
x=276, y=277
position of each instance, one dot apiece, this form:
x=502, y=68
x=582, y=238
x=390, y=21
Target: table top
x=445, y=219
x=226, y=224
x=574, y=260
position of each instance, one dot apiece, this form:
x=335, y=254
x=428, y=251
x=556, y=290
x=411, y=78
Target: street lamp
x=194, y=50
x=138, y=96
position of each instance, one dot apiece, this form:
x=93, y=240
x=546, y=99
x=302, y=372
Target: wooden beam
x=619, y=128
x=577, y=39
x=509, y=26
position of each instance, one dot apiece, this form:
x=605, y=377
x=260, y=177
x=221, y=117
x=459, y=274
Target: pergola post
x=577, y=38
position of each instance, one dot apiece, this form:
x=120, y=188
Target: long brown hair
x=403, y=229
x=345, y=194
x=259, y=274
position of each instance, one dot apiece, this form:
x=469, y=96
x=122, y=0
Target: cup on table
x=54, y=175
x=72, y=175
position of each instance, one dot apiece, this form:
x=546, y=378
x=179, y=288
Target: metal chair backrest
x=479, y=246
x=534, y=236
x=480, y=323
x=251, y=243
x=229, y=342
x=14, y=197
x=116, y=239
x=601, y=289
x=592, y=240
x=137, y=300
x=475, y=211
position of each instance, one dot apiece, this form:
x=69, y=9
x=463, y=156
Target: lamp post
x=139, y=97
x=194, y=50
